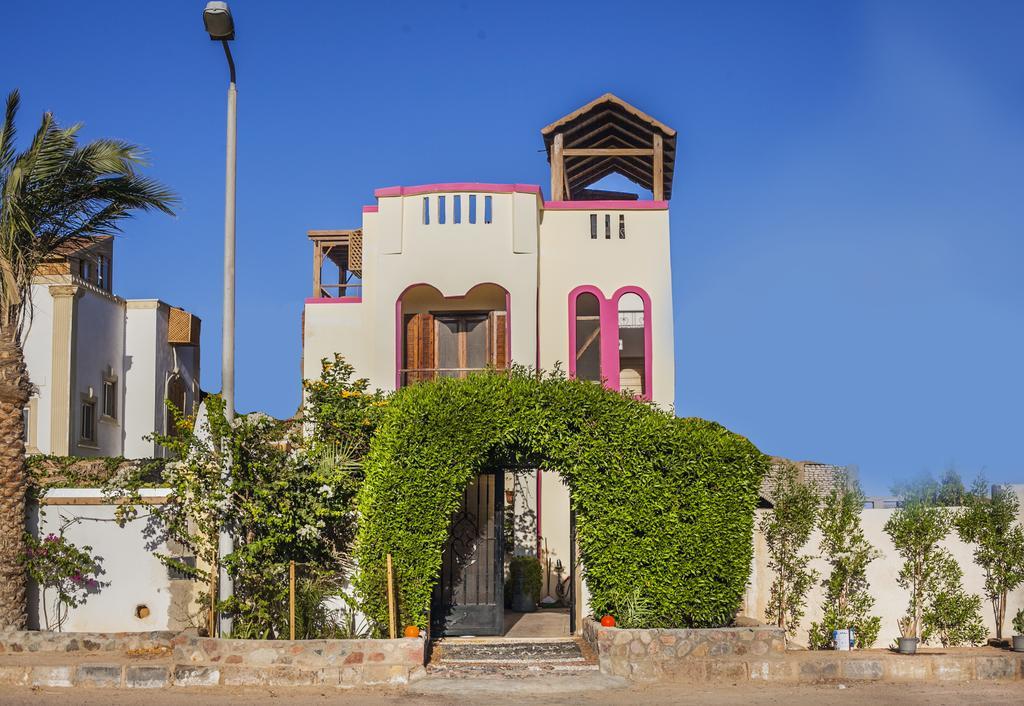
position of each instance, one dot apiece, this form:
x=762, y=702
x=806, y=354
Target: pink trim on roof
x=459, y=186
x=606, y=205
x=334, y=300
x=370, y=209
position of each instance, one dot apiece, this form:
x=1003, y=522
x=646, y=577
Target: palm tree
x=52, y=192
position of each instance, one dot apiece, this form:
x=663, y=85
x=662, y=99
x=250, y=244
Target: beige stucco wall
x=400, y=251
x=570, y=258
x=890, y=599
x=538, y=255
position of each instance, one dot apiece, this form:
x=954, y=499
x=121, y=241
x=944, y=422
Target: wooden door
x=469, y=595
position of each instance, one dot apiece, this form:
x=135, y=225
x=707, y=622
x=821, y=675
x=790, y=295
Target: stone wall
x=337, y=662
x=13, y=642
x=759, y=654
x=682, y=654
x=161, y=659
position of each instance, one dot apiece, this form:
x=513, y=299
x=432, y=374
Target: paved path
x=524, y=691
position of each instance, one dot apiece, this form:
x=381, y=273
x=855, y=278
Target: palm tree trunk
x=14, y=394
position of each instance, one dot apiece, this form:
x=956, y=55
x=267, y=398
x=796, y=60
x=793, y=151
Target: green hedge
x=664, y=505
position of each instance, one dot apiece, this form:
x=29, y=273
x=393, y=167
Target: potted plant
x=908, y=639
x=524, y=583
x=1018, y=629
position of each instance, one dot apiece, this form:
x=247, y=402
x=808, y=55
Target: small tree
x=938, y=605
x=288, y=498
x=953, y=615
x=786, y=529
x=848, y=601
x=989, y=522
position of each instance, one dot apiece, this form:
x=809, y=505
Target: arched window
x=632, y=308
x=588, y=337
x=632, y=350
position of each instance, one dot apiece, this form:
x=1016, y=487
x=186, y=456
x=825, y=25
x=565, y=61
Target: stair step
x=463, y=671
x=466, y=658
x=502, y=652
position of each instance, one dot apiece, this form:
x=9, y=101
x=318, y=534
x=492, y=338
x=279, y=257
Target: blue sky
x=848, y=204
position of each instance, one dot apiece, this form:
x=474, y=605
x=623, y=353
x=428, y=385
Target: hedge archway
x=663, y=504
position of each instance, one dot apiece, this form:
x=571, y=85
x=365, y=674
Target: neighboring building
x=101, y=365
x=443, y=279
x=823, y=476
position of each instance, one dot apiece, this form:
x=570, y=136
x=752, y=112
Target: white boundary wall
x=890, y=599
x=135, y=576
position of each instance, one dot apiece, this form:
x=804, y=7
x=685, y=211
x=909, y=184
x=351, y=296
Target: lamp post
x=221, y=27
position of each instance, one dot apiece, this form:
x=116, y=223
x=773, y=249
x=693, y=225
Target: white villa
x=101, y=365
x=443, y=279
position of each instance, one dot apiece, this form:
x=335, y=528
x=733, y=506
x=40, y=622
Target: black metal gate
x=469, y=596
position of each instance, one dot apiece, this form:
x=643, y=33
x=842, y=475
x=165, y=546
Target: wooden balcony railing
x=409, y=376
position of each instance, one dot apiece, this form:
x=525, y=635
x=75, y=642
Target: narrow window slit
x=607, y=226
x=593, y=226
x=456, y=209
x=622, y=226
x=426, y=210
x=472, y=208
x=440, y=209
x=487, y=209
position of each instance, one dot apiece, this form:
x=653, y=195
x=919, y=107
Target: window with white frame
x=87, y=421
x=110, y=398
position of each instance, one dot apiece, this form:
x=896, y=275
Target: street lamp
x=221, y=27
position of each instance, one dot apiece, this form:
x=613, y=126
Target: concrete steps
x=462, y=658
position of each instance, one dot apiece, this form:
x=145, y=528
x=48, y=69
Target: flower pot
x=1018, y=643
x=908, y=645
x=522, y=602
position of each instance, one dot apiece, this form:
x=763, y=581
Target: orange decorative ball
x=412, y=631
x=608, y=621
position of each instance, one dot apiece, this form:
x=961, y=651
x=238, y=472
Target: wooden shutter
x=419, y=348
x=499, y=347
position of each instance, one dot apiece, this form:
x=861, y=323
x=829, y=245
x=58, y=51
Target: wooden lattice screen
x=182, y=327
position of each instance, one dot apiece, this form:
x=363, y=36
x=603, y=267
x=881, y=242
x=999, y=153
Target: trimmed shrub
x=663, y=505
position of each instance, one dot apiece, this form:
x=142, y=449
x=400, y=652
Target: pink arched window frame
x=609, y=308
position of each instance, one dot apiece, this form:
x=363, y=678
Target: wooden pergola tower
x=606, y=136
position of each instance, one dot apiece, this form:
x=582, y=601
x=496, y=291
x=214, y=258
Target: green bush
x=1018, y=622
x=529, y=568
x=663, y=505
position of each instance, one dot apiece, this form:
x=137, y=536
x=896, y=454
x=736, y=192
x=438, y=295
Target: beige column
x=62, y=376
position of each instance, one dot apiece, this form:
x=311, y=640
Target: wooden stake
x=291, y=599
x=211, y=625
x=392, y=616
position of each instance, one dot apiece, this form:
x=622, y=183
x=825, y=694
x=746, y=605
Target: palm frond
x=56, y=190
x=8, y=132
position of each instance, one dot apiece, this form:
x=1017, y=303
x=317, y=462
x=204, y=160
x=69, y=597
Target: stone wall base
x=159, y=676
x=759, y=654
x=156, y=660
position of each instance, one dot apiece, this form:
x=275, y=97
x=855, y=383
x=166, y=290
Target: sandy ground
x=520, y=692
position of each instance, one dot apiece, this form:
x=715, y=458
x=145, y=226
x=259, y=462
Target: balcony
x=410, y=376
x=337, y=263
